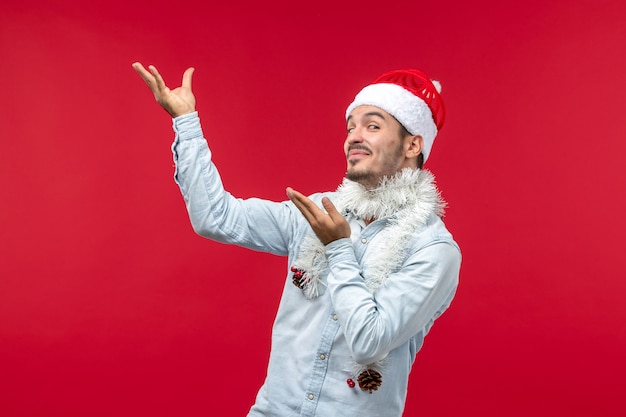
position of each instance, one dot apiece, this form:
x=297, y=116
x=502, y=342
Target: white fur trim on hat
x=408, y=109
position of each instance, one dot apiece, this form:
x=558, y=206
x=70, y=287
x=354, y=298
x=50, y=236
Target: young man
x=371, y=266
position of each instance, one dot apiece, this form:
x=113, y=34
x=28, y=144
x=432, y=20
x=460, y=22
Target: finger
x=138, y=67
x=304, y=204
x=296, y=198
x=160, y=84
x=144, y=74
x=332, y=210
x=187, y=77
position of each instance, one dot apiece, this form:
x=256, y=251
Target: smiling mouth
x=353, y=154
x=357, y=152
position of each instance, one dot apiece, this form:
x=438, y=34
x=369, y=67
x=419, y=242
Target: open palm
x=176, y=102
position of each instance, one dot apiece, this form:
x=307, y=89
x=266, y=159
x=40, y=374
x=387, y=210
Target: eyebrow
x=369, y=114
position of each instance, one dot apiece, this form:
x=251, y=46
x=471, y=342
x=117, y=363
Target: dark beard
x=369, y=179
x=366, y=179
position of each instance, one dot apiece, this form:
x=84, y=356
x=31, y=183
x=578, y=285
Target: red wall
x=110, y=305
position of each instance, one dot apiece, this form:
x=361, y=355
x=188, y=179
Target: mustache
x=358, y=146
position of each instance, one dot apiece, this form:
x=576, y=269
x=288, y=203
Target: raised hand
x=176, y=102
x=327, y=227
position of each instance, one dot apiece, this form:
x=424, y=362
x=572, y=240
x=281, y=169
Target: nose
x=354, y=136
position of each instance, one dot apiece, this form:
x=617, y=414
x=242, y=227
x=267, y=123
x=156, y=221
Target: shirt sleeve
x=407, y=303
x=214, y=213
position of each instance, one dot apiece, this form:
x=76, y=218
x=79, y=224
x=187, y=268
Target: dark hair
x=420, y=158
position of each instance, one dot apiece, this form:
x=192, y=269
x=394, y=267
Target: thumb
x=187, y=77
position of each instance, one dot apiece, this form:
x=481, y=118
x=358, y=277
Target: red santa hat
x=411, y=97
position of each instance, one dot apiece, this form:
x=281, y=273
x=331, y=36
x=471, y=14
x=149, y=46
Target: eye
x=350, y=129
x=373, y=127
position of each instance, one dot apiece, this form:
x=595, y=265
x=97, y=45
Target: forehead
x=367, y=112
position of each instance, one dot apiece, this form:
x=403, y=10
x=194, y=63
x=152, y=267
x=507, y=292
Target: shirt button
x=311, y=396
x=322, y=356
x=335, y=317
x=363, y=240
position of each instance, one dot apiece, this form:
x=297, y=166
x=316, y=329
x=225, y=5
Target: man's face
x=374, y=147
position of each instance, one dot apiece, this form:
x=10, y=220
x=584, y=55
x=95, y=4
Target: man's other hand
x=329, y=226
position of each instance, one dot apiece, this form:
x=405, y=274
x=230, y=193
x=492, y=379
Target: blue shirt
x=314, y=341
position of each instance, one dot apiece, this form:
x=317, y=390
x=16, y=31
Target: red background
x=111, y=306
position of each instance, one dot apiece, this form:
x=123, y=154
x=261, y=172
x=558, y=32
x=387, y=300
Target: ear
x=415, y=145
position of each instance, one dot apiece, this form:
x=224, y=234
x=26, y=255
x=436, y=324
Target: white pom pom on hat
x=411, y=97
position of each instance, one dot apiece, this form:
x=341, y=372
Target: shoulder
x=434, y=232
